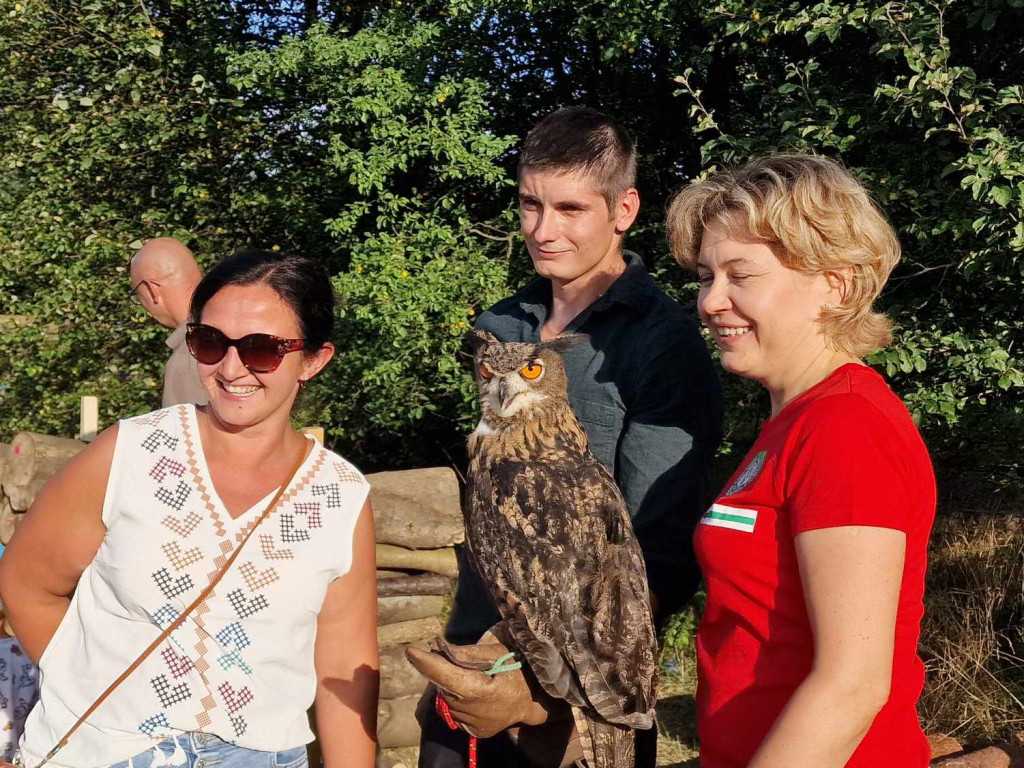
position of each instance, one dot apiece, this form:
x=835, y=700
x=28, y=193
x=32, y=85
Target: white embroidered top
x=241, y=665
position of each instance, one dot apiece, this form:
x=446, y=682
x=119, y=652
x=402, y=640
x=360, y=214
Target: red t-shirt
x=843, y=453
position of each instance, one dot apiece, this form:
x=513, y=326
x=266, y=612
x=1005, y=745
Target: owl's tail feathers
x=604, y=744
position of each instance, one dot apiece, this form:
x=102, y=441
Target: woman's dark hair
x=300, y=282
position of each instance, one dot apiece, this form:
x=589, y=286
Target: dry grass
x=972, y=640
x=677, y=727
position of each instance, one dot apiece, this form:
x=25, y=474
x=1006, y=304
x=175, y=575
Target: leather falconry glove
x=485, y=705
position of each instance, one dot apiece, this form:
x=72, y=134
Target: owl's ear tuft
x=565, y=342
x=477, y=339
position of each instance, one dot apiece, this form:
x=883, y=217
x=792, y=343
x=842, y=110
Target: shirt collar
x=632, y=288
x=177, y=338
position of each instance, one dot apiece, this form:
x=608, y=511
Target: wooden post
x=89, y=418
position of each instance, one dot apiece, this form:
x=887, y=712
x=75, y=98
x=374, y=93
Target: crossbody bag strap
x=178, y=621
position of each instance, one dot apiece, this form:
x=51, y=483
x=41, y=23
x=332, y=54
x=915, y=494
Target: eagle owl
x=550, y=535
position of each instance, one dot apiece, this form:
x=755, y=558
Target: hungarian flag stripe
x=735, y=518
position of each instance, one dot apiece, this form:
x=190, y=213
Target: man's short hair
x=585, y=142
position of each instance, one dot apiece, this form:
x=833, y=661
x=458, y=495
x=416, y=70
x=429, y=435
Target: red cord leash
x=442, y=709
x=506, y=663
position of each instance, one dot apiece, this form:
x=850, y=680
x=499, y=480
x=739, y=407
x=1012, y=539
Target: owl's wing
x=571, y=587
x=615, y=653
x=530, y=566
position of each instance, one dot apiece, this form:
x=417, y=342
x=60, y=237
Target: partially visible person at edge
x=642, y=384
x=137, y=524
x=814, y=555
x=164, y=275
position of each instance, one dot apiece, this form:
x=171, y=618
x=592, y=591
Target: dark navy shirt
x=645, y=389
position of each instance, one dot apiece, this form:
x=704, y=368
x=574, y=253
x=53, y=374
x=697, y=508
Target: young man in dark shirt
x=642, y=382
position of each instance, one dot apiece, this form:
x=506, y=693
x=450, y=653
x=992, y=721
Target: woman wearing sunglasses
x=126, y=538
x=814, y=554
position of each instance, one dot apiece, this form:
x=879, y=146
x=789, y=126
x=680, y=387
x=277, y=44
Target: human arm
x=851, y=578
x=672, y=430
x=345, y=657
x=55, y=544
x=510, y=702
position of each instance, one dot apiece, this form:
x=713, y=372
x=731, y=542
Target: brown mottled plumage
x=550, y=535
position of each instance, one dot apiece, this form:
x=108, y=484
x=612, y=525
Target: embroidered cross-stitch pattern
x=272, y=553
x=171, y=588
x=165, y=615
x=168, y=694
x=238, y=723
x=289, y=533
x=346, y=473
x=312, y=512
x=233, y=659
x=181, y=560
x=193, y=465
x=184, y=527
x=235, y=700
x=256, y=580
x=178, y=665
x=164, y=466
x=151, y=419
x=177, y=499
x=246, y=607
x=159, y=438
x=151, y=723
x=203, y=719
x=233, y=635
x=234, y=639
x=332, y=492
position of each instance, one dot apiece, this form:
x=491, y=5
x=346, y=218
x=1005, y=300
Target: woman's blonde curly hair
x=816, y=218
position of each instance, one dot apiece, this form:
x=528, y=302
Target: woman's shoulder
x=173, y=417
x=857, y=394
x=339, y=468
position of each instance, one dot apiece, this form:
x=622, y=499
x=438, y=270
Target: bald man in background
x=164, y=275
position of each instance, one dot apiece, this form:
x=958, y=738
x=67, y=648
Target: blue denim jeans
x=197, y=750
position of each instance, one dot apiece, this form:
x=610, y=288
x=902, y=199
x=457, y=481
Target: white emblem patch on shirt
x=749, y=473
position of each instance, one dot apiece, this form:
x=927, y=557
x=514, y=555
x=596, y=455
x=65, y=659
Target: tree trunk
x=408, y=631
x=441, y=561
x=8, y=520
x=396, y=723
x=33, y=459
x=419, y=584
x=392, y=610
x=417, y=508
x=397, y=676
x=4, y=450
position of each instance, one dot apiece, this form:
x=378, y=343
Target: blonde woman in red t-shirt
x=814, y=554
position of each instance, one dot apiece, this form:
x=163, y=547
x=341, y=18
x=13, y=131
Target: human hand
x=484, y=705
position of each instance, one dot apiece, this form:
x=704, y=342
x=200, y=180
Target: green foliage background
x=380, y=137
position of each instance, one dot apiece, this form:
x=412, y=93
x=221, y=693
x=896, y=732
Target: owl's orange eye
x=484, y=373
x=532, y=371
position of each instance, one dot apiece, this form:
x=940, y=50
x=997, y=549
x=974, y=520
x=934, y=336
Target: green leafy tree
x=923, y=101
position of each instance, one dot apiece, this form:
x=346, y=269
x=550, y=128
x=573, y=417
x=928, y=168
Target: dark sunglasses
x=259, y=352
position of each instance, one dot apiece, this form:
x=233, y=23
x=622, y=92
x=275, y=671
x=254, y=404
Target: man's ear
x=478, y=339
x=626, y=209
x=563, y=343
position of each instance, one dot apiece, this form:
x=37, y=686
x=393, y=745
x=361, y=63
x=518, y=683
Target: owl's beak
x=503, y=396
